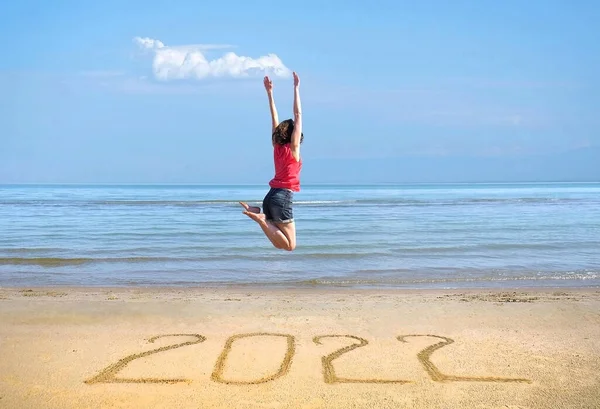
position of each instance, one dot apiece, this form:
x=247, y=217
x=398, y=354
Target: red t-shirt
x=287, y=169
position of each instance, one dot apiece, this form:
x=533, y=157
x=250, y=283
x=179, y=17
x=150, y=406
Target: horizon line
x=305, y=184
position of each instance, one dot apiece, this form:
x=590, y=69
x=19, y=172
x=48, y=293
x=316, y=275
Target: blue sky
x=82, y=101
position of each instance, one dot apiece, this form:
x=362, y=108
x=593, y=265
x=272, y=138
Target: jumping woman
x=277, y=221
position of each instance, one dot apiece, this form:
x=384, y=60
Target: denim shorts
x=277, y=206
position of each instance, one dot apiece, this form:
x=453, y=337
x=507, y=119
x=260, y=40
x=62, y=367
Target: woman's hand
x=268, y=84
x=296, y=80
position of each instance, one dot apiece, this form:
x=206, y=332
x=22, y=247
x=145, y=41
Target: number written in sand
x=425, y=354
x=217, y=374
x=329, y=374
x=108, y=375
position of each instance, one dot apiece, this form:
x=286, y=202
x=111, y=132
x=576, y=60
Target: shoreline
x=281, y=289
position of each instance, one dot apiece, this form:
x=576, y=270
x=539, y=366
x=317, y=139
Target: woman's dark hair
x=282, y=135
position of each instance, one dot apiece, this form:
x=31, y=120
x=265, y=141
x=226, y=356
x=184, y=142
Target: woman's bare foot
x=259, y=218
x=251, y=209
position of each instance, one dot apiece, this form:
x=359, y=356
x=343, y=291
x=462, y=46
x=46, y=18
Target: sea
x=415, y=236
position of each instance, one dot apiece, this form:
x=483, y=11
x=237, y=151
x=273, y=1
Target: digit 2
x=329, y=374
x=108, y=374
x=425, y=354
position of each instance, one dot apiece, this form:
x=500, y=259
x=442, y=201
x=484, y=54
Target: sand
x=284, y=348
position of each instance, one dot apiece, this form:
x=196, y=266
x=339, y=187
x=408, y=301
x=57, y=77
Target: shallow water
x=414, y=236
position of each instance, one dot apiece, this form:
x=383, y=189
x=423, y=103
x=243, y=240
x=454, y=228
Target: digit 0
x=217, y=374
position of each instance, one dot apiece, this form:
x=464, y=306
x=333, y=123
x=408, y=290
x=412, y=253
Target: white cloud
x=148, y=43
x=189, y=62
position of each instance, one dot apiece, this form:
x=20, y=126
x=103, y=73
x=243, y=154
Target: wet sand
x=299, y=348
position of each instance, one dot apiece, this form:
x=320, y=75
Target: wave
x=75, y=261
x=578, y=278
x=30, y=250
x=184, y=203
x=225, y=202
x=489, y=246
x=63, y=262
x=547, y=276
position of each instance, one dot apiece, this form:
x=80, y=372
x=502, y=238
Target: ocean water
x=409, y=236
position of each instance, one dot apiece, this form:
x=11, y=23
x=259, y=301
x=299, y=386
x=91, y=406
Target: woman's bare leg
x=289, y=230
x=273, y=233
x=281, y=235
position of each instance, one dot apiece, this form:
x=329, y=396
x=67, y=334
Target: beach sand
x=297, y=348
